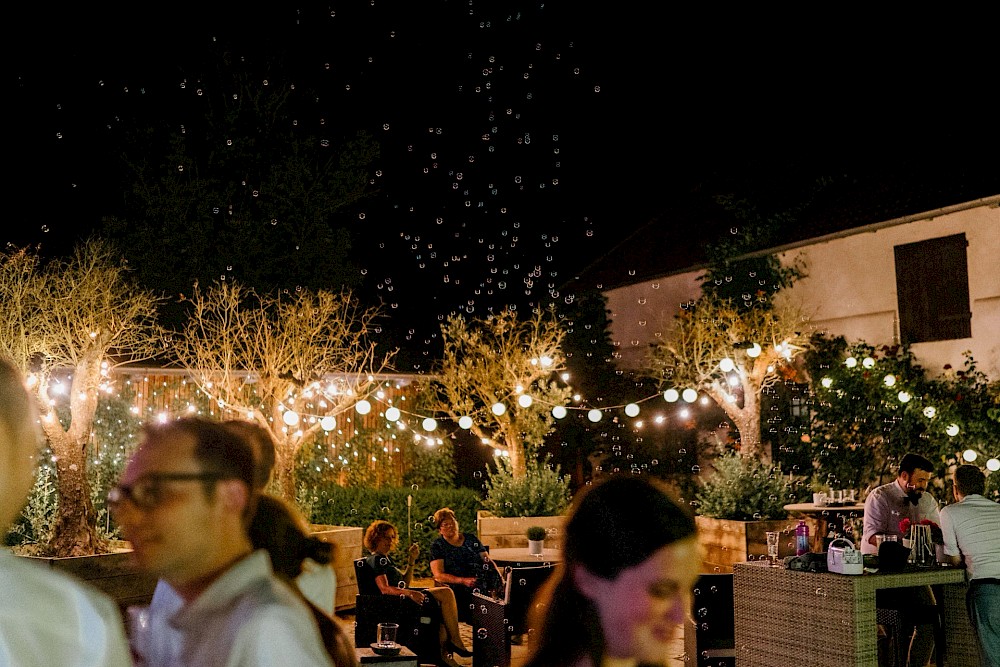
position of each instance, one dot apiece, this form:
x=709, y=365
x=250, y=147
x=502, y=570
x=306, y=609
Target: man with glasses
x=184, y=502
x=971, y=531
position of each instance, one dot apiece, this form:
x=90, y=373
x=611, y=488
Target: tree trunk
x=75, y=532
x=284, y=472
x=515, y=449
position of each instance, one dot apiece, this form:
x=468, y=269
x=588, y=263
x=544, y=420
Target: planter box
x=499, y=532
x=111, y=573
x=727, y=541
x=348, y=541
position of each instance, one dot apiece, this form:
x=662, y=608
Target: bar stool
x=895, y=620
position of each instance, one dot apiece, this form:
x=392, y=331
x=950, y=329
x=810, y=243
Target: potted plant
x=536, y=540
x=739, y=503
x=511, y=504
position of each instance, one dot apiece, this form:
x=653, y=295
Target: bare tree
x=68, y=324
x=731, y=354
x=289, y=362
x=497, y=361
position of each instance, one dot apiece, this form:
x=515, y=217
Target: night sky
x=518, y=140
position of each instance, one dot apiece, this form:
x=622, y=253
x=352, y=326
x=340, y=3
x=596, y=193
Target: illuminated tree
x=292, y=362
x=68, y=324
x=731, y=354
x=498, y=377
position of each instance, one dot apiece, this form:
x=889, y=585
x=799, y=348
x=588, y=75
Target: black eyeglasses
x=147, y=491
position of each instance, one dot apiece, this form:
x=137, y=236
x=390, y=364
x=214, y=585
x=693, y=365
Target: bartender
x=904, y=498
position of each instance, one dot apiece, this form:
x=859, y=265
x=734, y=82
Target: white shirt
x=885, y=507
x=48, y=618
x=972, y=527
x=318, y=584
x=245, y=618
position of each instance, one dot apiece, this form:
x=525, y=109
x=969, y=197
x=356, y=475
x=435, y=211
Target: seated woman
x=381, y=538
x=460, y=561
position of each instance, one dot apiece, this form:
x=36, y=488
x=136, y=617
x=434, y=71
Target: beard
x=914, y=495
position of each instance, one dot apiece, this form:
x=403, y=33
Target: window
x=932, y=290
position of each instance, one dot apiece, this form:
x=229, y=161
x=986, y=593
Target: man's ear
x=589, y=584
x=235, y=495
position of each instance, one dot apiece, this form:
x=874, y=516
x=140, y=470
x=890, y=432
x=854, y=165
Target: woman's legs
x=449, y=613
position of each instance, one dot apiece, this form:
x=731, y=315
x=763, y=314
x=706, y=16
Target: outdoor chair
x=522, y=585
x=418, y=631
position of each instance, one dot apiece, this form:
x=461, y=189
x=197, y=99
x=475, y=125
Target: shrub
x=535, y=533
x=745, y=489
x=541, y=492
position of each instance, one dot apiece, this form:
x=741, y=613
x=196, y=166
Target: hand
x=417, y=597
x=413, y=552
x=469, y=581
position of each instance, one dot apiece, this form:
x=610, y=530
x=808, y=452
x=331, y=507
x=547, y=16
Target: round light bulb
x=952, y=430
x=363, y=407
x=393, y=414
x=904, y=396
x=890, y=380
x=930, y=411
x=559, y=412
x=826, y=382
x=727, y=365
x=525, y=401
x=754, y=351
x=498, y=409
x=689, y=395
x=328, y=423
x=970, y=455
x=465, y=422
x=671, y=395
x=291, y=417
x=594, y=415
x=850, y=362
x=868, y=362
x=993, y=465
x=430, y=424
x=632, y=410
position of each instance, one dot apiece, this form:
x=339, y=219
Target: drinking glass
x=387, y=634
x=772, y=547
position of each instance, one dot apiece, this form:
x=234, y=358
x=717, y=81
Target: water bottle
x=801, y=538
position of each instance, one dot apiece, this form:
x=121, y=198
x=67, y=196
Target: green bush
x=535, y=533
x=542, y=491
x=745, y=489
x=357, y=506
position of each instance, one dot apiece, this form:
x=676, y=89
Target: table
x=405, y=658
x=519, y=557
x=786, y=617
x=837, y=513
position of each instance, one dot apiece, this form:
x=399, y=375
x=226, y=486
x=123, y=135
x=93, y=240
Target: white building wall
x=850, y=289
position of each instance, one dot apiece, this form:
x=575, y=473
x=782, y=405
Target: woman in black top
x=461, y=561
x=381, y=538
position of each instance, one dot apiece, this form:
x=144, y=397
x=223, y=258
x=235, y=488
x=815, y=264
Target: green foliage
x=862, y=426
x=37, y=520
x=745, y=489
x=541, y=492
x=535, y=533
x=334, y=505
x=430, y=466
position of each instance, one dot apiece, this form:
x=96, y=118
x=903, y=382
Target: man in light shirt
x=971, y=531
x=46, y=617
x=184, y=502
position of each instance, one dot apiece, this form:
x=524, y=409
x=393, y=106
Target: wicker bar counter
x=807, y=619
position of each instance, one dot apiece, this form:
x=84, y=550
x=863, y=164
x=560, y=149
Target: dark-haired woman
x=620, y=596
